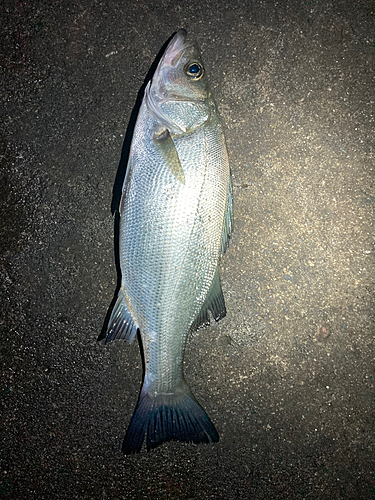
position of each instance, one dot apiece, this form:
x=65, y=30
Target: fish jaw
x=173, y=52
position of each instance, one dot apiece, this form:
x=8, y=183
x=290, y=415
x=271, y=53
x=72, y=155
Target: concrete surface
x=288, y=376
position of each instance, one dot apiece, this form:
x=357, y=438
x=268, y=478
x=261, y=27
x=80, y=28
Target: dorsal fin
x=121, y=325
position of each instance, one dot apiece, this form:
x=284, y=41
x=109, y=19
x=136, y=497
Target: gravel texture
x=288, y=376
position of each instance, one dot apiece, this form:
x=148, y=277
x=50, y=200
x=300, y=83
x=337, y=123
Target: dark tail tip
x=168, y=417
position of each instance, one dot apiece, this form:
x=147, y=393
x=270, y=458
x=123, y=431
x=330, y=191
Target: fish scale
x=175, y=219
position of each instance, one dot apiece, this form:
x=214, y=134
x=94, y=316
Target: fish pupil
x=194, y=69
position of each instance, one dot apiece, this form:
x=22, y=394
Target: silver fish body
x=175, y=220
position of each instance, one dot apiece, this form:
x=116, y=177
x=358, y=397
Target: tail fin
x=168, y=417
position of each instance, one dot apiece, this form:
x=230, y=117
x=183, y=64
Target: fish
x=176, y=219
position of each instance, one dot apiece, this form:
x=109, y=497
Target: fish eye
x=195, y=70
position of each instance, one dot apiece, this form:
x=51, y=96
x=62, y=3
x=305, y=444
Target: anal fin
x=214, y=302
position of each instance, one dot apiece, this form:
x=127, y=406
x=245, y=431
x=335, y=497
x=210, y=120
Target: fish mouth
x=175, y=48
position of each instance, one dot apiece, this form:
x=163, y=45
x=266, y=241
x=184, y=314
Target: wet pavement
x=288, y=376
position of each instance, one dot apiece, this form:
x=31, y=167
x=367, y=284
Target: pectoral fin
x=164, y=143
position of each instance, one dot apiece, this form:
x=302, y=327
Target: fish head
x=179, y=94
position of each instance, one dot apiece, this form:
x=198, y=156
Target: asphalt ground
x=288, y=376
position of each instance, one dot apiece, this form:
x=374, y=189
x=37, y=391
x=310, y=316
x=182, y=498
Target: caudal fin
x=168, y=417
